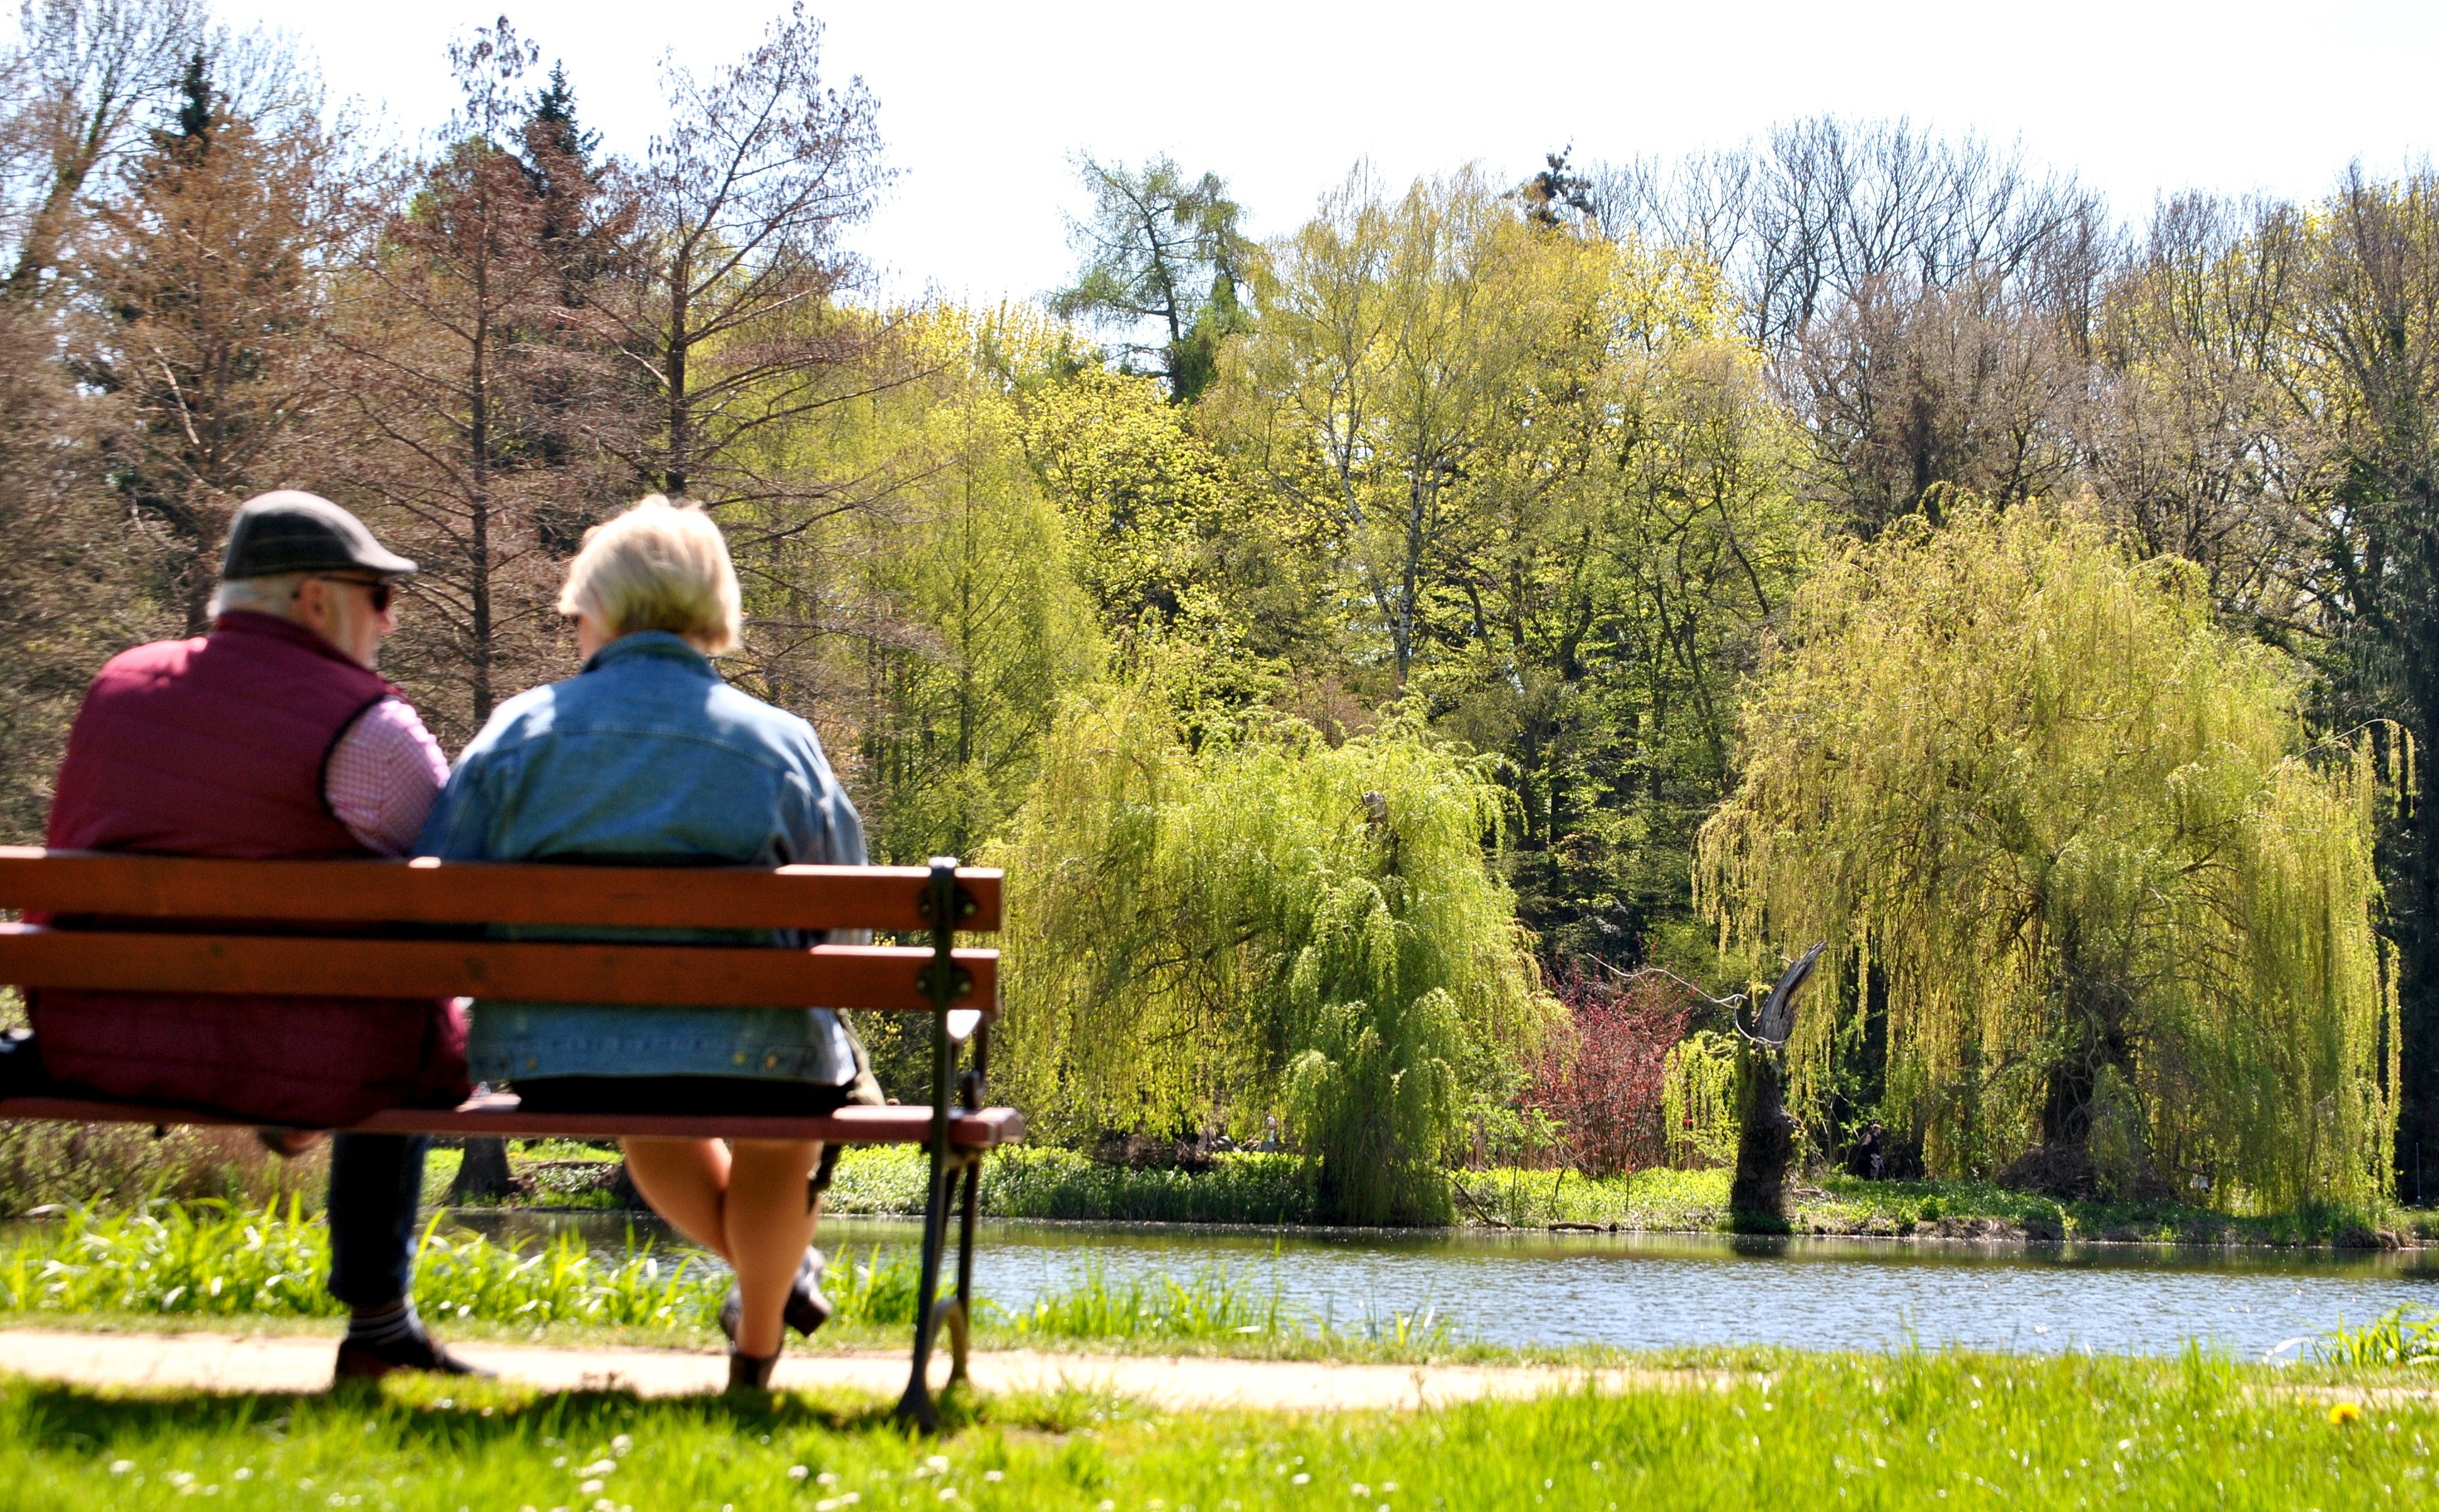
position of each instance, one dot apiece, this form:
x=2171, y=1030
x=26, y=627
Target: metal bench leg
x=969, y=1210
x=915, y=1406
x=941, y=905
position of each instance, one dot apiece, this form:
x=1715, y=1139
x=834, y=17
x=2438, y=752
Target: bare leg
x=746, y=1205
x=686, y=1183
x=769, y=1226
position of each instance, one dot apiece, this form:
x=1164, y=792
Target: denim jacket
x=646, y=756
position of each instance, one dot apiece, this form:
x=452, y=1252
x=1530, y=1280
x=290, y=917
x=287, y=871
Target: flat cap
x=289, y=530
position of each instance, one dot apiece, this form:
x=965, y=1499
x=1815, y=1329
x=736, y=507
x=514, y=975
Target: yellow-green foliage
x=1698, y=1099
x=2082, y=835
x=947, y=563
x=1267, y=925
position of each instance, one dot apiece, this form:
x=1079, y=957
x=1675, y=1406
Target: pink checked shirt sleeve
x=382, y=776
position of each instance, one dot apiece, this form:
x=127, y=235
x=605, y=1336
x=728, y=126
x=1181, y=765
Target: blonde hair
x=658, y=566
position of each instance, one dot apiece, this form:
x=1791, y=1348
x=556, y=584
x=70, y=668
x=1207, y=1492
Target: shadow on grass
x=463, y=1416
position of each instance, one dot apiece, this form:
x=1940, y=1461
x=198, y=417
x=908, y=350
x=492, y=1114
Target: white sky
x=982, y=104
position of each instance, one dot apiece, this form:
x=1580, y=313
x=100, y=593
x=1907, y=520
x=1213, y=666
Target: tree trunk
x=484, y=1176
x=1766, y=1134
x=1765, y=1143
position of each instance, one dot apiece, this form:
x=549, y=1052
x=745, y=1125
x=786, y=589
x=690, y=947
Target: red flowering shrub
x=1599, y=1079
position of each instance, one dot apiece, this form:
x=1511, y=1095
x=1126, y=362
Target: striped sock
x=378, y=1327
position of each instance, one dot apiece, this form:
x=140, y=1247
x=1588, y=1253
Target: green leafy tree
x=976, y=629
x=2119, y=902
x=1397, y=343
x=1162, y=251
x=1553, y=487
x=2362, y=349
x=1173, y=546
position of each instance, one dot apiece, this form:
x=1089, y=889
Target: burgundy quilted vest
x=216, y=747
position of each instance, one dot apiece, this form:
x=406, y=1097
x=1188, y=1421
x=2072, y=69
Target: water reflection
x=1647, y=1292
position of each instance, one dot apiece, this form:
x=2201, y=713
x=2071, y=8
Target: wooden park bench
x=383, y=928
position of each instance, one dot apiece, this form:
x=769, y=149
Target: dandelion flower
x=797, y=1472
x=2343, y=1413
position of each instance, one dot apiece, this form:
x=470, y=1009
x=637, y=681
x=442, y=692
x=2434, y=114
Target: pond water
x=1646, y=1292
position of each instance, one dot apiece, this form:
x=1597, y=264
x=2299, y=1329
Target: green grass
x=2401, y=1336
x=1862, y=1431
x=211, y=1261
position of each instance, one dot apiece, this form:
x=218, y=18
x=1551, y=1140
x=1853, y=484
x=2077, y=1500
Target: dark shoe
x=752, y=1373
x=21, y=1065
x=417, y=1351
x=807, y=1309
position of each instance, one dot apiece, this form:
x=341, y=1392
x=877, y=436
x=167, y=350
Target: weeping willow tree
x=1698, y=1099
x=2117, y=904
x=1265, y=927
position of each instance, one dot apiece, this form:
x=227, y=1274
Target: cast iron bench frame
x=379, y=906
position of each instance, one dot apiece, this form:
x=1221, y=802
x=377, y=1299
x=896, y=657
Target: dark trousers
x=376, y=1180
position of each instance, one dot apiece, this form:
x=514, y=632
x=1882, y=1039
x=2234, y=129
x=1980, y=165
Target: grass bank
x=205, y=1262
x=1697, y=1201
x=1268, y=1189
x=125, y=1167
x=1862, y=1431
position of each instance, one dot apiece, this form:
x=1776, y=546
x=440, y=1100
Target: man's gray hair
x=263, y=596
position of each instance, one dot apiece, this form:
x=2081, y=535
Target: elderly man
x=272, y=736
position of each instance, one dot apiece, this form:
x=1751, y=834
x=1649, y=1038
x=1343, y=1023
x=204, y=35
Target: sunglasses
x=378, y=591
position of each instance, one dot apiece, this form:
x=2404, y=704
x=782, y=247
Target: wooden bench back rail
x=431, y=891
x=205, y=908
x=326, y=893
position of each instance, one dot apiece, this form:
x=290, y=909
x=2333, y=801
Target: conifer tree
x=209, y=280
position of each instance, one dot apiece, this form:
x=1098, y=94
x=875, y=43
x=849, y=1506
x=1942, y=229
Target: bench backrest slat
x=424, y=892
x=836, y=976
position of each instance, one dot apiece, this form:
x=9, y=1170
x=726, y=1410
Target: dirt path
x=235, y=1363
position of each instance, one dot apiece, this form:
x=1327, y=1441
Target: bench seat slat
x=837, y=976
x=427, y=892
x=499, y=1114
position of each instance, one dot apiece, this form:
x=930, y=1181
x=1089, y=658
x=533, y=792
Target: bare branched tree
x=733, y=321
x=2192, y=448
x=1925, y=302
x=80, y=77
x=462, y=388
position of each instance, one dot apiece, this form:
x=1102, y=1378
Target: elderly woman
x=647, y=755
